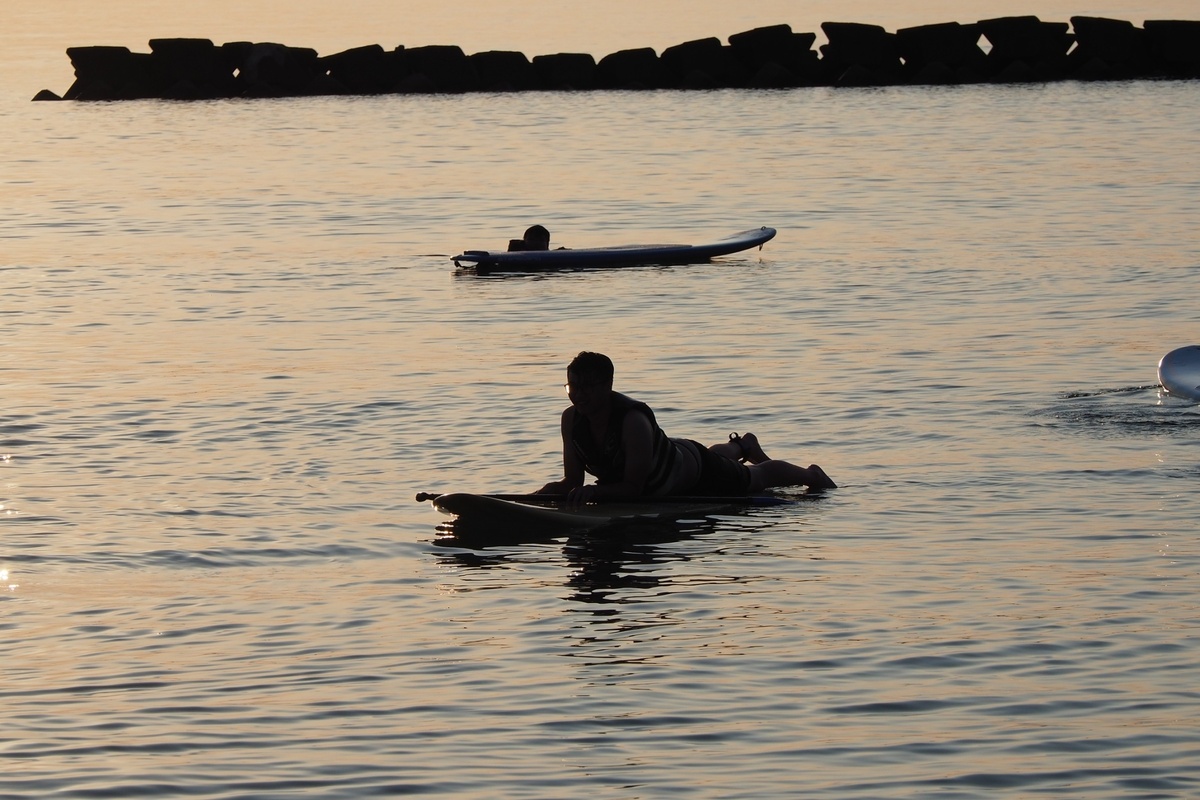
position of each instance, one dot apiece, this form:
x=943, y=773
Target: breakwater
x=1022, y=49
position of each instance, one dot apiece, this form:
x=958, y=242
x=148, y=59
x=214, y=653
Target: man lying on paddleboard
x=617, y=439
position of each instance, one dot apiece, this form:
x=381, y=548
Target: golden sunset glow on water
x=236, y=349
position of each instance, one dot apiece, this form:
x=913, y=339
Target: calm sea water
x=234, y=350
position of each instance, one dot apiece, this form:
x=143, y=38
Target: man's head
x=536, y=238
x=591, y=367
x=589, y=382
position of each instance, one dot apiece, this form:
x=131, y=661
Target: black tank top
x=606, y=459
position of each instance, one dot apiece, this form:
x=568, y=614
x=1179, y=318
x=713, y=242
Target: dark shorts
x=720, y=476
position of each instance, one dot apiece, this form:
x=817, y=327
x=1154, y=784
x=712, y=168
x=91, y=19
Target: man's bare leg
x=766, y=472
x=772, y=473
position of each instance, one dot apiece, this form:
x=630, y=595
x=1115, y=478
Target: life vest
x=606, y=458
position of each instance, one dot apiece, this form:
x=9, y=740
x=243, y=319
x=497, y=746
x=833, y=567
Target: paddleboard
x=488, y=261
x=1179, y=372
x=511, y=514
x=532, y=517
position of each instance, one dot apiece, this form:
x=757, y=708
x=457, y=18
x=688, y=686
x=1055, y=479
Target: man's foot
x=818, y=479
x=736, y=440
x=751, y=450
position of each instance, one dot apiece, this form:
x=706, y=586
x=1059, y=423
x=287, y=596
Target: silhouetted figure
x=617, y=439
x=536, y=238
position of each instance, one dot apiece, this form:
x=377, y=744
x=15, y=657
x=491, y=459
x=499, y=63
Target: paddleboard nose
x=1179, y=372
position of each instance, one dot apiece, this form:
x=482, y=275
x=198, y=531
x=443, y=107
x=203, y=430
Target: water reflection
x=623, y=563
x=619, y=578
x=477, y=545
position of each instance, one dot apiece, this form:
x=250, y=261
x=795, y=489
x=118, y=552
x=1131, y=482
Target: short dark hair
x=596, y=365
x=538, y=237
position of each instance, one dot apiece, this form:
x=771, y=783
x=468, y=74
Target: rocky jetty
x=1020, y=49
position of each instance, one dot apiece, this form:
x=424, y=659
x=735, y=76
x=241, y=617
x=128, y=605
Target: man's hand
x=582, y=495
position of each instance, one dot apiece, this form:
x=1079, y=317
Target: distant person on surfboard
x=536, y=238
x=618, y=440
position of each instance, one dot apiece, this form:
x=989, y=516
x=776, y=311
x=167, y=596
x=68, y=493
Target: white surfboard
x=1179, y=372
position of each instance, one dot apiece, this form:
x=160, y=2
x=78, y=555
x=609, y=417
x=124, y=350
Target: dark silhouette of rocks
x=1108, y=49
x=1019, y=49
x=777, y=58
x=1174, y=45
x=703, y=64
x=946, y=53
x=566, y=71
x=272, y=70
x=361, y=70
x=104, y=73
x=859, y=55
x=1027, y=50
x=505, y=71
x=441, y=68
x=190, y=69
x=639, y=68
